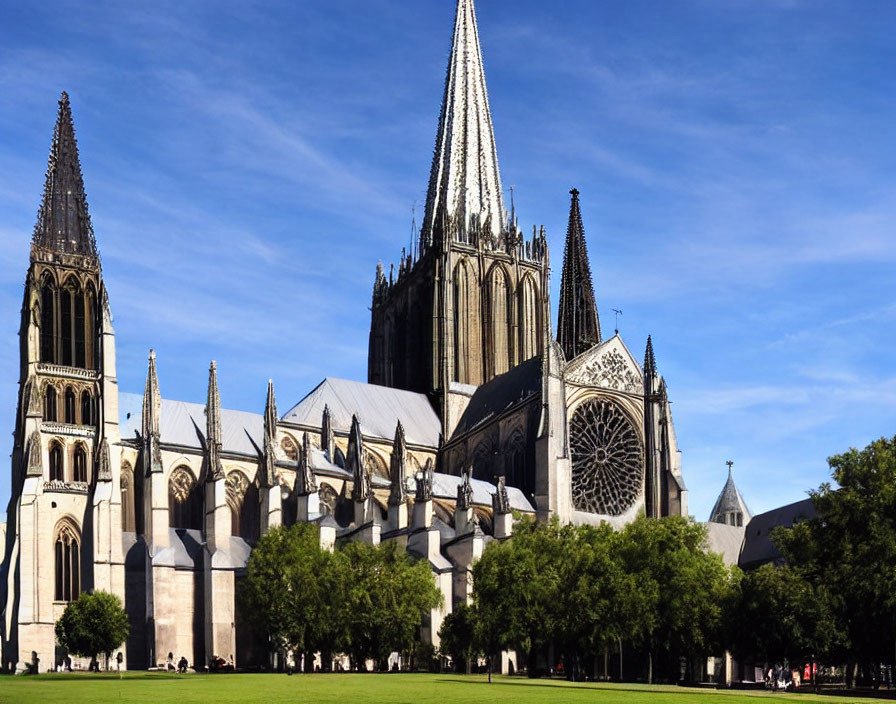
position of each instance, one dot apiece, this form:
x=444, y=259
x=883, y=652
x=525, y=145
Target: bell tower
x=64, y=514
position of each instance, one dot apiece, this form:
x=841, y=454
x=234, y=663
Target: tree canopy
x=93, y=624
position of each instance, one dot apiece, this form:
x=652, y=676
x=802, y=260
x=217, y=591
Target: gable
x=609, y=365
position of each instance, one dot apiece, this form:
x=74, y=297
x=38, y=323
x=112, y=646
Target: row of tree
x=570, y=595
x=363, y=600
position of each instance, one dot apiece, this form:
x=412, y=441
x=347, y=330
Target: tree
x=93, y=623
x=682, y=588
x=284, y=588
x=387, y=597
x=459, y=636
x=779, y=615
x=848, y=552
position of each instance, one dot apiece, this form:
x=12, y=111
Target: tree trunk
x=606, y=663
x=620, y=660
x=489, y=662
x=649, y=667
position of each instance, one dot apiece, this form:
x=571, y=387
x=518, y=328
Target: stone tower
x=578, y=325
x=64, y=512
x=468, y=303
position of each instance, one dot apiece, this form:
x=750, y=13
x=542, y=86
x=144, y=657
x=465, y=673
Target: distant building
x=472, y=411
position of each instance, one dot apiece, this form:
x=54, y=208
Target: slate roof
x=183, y=424
x=501, y=393
x=730, y=500
x=725, y=540
x=444, y=486
x=758, y=546
x=379, y=408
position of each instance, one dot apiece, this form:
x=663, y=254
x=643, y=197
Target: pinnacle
x=649, y=359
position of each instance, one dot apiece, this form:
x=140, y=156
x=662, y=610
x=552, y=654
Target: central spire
x=464, y=194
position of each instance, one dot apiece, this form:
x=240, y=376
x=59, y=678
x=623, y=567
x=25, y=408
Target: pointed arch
x=87, y=408
x=48, y=333
x=51, y=407
x=79, y=463
x=91, y=344
x=500, y=341
x=467, y=353
x=128, y=513
x=69, y=405
x=67, y=542
x=184, y=500
x=57, y=469
x=529, y=309
x=242, y=497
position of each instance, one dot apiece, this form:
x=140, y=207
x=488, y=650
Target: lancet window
x=79, y=464
x=67, y=324
x=68, y=563
x=50, y=413
x=184, y=500
x=128, y=520
x=70, y=406
x=56, y=468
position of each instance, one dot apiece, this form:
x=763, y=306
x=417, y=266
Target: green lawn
x=347, y=689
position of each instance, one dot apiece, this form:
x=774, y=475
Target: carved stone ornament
x=33, y=395
x=181, y=484
x=465, y=492
x=424, y=482
x=103, y=463
x=500, y=500
x=236, y=484
x=35, y=456
x=305, y=475
x=610, y=370
x=606, y=453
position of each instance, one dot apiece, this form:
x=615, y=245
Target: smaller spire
x=306, y=483
x=578, y=324
x=150, y=421
x=269, y=475
x=397, y=464
x=213, y=425
x=327, y=440
x=649, y=359
x=355, y=462
x=730, y=507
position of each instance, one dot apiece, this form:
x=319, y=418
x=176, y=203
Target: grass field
x=351, y=688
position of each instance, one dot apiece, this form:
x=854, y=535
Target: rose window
x=606, y=458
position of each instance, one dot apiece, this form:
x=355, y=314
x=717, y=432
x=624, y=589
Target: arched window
x=128, y=521
x=79, y=465
x=80, y=360
x=529, y=320
x=467, y=356
x=86, y=409
x=65, y=320
x=48, y=322
x=50, y=404
x=68, y=563
x=89, y=329
x=184, y=500
x=499, y=323
x=242, y=497
x=56, y=469
x=69, y=406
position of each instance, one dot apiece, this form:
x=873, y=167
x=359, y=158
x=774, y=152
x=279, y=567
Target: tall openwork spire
x=464, y=186
x=269, y=475
x=63, y=223
x=578, y=325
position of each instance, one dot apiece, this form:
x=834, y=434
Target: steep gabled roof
x=379, y=408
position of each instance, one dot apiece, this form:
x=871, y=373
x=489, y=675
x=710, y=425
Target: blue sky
x=248, y=164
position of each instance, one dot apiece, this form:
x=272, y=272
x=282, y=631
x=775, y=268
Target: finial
x=152, y=353
x=574, y=193
x=618, y=313
x=730, y=465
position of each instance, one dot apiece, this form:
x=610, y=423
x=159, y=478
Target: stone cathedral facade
x=473, y=412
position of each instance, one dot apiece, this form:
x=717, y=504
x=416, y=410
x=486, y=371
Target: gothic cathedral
x=473, y=412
